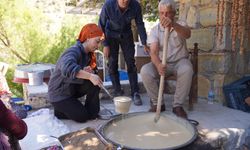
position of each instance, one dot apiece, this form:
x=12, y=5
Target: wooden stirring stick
x=102, y=86
x=165, y=47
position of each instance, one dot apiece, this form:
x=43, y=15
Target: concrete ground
x=220, y=126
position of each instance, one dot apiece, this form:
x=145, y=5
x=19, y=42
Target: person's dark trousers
x=128, y=49
x=73, y=109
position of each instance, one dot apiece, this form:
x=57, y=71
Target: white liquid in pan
x=143, y=133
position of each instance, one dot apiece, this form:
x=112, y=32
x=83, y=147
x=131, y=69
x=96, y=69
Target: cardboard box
x=140, y=61
x=139, y=51
x=141, y=57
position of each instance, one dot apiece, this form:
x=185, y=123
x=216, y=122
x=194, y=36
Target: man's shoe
x=154, y=107
x=137, y=99
x=180, y=112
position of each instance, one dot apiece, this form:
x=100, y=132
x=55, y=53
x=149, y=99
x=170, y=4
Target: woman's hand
x=88, y=69
x=95, y=79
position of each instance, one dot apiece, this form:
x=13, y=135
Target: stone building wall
x=216, y=62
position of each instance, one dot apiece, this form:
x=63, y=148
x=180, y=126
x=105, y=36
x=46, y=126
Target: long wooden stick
x=165, y=47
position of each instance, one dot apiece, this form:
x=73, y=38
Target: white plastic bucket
x=122, y=104
x=35, y=78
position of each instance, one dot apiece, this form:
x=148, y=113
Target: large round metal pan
x=144, y=133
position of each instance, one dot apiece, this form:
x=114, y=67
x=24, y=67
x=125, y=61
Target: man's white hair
x=167, y=3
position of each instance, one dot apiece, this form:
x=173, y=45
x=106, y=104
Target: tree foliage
x=25, y=37
x=149, y=7
x=65, y=38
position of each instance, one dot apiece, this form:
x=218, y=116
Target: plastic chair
x=101, y=62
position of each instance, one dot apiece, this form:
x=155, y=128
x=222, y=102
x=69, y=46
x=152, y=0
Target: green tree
x=25, y=37
x=149, y=7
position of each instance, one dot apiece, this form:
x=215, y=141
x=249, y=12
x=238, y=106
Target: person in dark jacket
x=75, y=76
x=115, y=21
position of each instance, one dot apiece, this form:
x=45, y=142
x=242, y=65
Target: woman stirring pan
x=75, y=76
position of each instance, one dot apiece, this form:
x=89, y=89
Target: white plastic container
x=35, y=78
x=122, y=104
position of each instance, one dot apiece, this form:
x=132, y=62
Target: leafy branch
x=6, y=42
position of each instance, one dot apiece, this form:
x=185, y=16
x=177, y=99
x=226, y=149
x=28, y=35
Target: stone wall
x=216, y=62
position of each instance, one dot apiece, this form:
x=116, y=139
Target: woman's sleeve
x=69, y=64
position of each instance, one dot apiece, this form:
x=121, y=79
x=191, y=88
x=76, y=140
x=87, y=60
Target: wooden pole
x=161, y=88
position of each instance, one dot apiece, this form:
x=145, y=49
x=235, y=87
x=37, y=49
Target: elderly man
x=115, y=21
x=177, y=58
